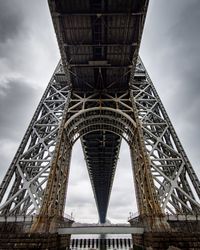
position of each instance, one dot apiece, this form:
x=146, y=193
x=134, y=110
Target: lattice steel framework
x=177, y=186
x=22, y=188
x=100, y=95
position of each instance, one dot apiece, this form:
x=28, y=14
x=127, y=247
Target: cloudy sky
x=29, y=53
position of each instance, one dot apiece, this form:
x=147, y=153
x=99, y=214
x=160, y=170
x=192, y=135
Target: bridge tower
x=100, y=92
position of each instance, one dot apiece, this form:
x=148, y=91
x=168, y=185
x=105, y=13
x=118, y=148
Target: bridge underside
x=101, y=153
x=99, y=42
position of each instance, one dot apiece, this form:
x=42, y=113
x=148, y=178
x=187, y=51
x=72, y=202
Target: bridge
x=93, y=36
x=100, y=93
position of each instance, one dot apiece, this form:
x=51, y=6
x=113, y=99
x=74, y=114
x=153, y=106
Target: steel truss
x=22, y=189
x=164, y=179
x=177, y=185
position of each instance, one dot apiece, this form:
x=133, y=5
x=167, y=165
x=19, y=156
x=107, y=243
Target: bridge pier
x=165, y=241
x=16, y=233
x=28, y=241
x=183, y=233
x=152, y=223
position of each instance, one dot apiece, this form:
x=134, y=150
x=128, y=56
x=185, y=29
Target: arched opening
x=80, y=201
x=123, y=198
x=106, y=121
x=96, y=119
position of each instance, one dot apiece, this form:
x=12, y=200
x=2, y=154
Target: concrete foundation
x=167, y=240
x=14, y=227
x=184, y=235
x=34, y=241
x=153, y=241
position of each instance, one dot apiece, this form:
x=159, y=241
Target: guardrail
x=27, y=218
x=177, y=217
x=16, y=218
x=183, y=217
x=171, y=217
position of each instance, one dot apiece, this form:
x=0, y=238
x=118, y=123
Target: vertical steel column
x=149, y=207
x=52, y=210
x=171, y=176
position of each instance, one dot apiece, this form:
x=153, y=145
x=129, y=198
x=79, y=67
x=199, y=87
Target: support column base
x=167, y=241
x=151, y=223
x=34, y=241
x=45, y=224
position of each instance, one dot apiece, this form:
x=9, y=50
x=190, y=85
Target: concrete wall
x=34, y=241
x=163, y=241
x=185, y=226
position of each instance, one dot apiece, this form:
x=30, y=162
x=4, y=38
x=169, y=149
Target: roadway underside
x=101, y=150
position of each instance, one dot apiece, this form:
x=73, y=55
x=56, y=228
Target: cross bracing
x=29, y=170
x=177, y=185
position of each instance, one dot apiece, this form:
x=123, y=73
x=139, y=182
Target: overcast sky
x=29, y=53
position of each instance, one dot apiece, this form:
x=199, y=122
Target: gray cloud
x=17, y=103
x=11, y=21
x=28, y=46
x=170, y=50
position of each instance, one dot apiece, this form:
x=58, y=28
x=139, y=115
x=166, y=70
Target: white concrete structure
x=101, y=230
